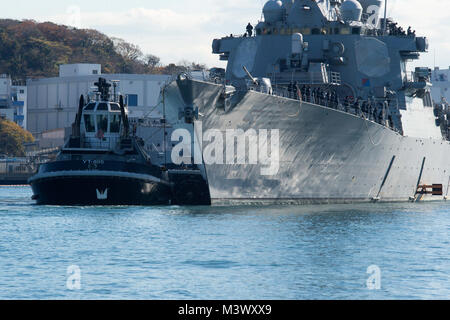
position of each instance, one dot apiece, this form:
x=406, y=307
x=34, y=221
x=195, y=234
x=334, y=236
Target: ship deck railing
x=307, y=78
x=373, y=110
x=351, y=107
x=43, y=152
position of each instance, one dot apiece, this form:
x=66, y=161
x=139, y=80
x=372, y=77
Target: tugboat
x=102, y=163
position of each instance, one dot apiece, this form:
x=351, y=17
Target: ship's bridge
x=101, y=125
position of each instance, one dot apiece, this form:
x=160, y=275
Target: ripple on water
x=243, y=252
x=212, y=264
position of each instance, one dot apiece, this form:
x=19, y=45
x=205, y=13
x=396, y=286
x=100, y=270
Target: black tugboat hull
x=189, y=188
x=91, y=190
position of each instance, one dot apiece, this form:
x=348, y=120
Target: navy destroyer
x=104, y=163
x=331, y=78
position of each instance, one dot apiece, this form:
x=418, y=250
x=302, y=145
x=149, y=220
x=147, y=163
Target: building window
x=132, y=100
x=22, y=91
x=95, y=72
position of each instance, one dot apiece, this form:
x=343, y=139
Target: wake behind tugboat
x=104, y=164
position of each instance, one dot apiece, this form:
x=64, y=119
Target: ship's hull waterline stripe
x=95, y=173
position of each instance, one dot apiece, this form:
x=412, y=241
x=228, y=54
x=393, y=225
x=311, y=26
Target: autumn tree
x=12, y=139
x=152, y=61
x=128, y=50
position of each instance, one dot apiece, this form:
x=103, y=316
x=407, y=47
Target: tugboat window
x=114, y=107
x=102, y=107
x=102, y=122
x=115, y=123
x=89, y=123
x=90, y=106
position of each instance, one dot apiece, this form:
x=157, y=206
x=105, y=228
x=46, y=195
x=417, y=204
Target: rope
x=299, y=93
x=368, y=131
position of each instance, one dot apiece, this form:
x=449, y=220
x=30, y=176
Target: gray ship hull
x=326, y=156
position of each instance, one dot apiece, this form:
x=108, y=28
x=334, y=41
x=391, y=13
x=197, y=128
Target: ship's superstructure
x=339, y=53
x=332, y=77
x=441, y=97
x=441, y=85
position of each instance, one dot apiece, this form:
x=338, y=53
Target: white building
x=13, y=101
x=80, y=69
x=19, y=102
x=5, y=97
x=441, y=84
x=53, y=102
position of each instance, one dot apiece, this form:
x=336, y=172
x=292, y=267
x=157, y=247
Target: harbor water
x=244, y=252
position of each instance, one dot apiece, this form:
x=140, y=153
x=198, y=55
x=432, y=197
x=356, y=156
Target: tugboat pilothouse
x=102, y=163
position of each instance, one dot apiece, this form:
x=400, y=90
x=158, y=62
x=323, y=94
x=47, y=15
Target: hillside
x=29, y=49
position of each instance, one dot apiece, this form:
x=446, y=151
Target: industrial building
x=53, y=102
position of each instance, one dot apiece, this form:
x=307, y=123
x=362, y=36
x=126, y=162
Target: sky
x=177, y=30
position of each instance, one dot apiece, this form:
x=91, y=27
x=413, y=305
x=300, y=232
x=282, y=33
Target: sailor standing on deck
x=334, y=99
x=374, y=114
x=369, y=111
x=290, y=89
x=319, y=94
x=314, y=96
x=250, y=29
x=303, y=92
x=296, y=91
